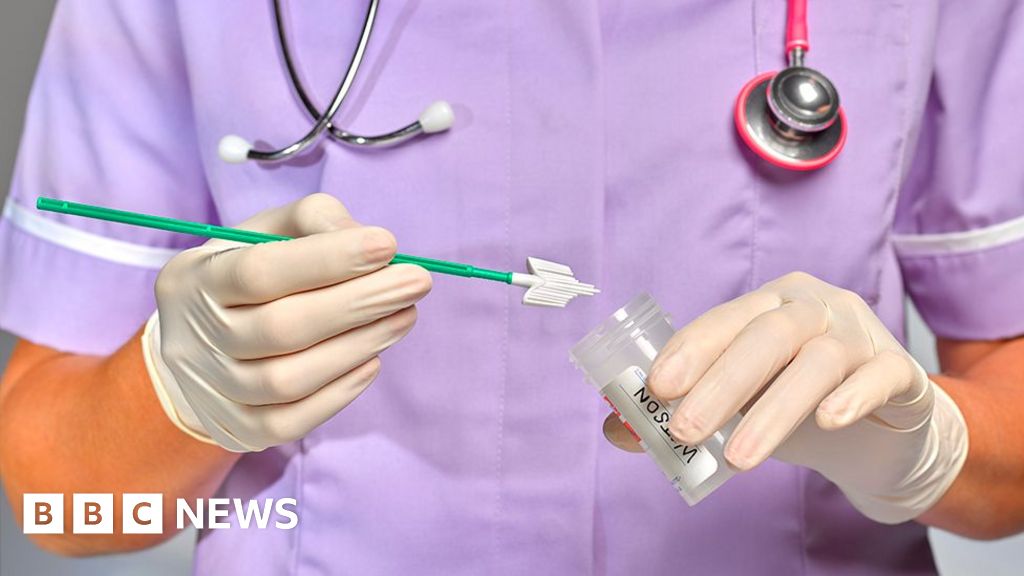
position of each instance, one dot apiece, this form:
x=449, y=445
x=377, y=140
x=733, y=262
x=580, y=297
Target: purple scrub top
x=598, y=134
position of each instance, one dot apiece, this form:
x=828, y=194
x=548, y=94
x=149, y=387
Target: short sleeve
x=959, y=226
x=108, y=122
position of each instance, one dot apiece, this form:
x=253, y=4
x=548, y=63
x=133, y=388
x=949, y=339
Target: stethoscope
x=437, y=117
x=791, y=118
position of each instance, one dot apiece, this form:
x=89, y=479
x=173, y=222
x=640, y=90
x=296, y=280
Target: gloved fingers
x=692, y=350
x=291, y=377
x=281, y=423
x=301, y=320
x=889, y=375
x=310, y=214
x=265, y=272
x=758, y=353
x=242, y=428
x=819, y=367
x=619, y=436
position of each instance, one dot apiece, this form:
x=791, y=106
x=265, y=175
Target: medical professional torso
x=594, y=133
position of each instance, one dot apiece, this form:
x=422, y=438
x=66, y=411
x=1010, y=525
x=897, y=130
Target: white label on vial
x=685, y=466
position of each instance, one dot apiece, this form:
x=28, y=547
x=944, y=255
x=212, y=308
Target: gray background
x=22, y=30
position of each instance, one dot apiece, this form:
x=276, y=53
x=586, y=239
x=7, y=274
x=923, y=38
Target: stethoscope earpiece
x=437, y=117
x=233, y=149
x=792, y=118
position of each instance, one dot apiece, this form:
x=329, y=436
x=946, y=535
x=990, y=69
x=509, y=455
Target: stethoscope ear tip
x=233, y=149
x=437, y=117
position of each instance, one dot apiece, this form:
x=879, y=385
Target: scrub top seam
x=903, y=158
x=756, y=200
x=505, y=343
x=801, y=487
x=299, y=499
x=599, y=411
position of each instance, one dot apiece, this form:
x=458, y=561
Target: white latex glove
x=890, y=438
x=255, y=345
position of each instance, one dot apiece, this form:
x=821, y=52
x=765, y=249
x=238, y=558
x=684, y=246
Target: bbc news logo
x=144, y=514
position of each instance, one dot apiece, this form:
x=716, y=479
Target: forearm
x=987, y=498
x=71, y=423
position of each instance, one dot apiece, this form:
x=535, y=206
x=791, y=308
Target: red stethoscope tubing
x=796, y=26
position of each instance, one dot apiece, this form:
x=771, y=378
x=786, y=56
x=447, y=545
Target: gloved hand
x=890, y=438
x=254, y=346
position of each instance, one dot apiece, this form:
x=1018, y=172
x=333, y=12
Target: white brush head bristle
x=553, y=284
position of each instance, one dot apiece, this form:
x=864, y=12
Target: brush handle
x=246, y=236
x=453, y=268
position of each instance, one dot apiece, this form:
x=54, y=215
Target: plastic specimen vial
x=616, y=357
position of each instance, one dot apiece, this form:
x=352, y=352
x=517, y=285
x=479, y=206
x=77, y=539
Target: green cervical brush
x=548, y=283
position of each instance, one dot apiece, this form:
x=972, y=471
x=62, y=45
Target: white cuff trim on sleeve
x=959, y=242
x=86, y=242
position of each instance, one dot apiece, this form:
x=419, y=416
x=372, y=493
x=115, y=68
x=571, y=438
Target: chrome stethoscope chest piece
x=803, y=99
x=802, y=133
